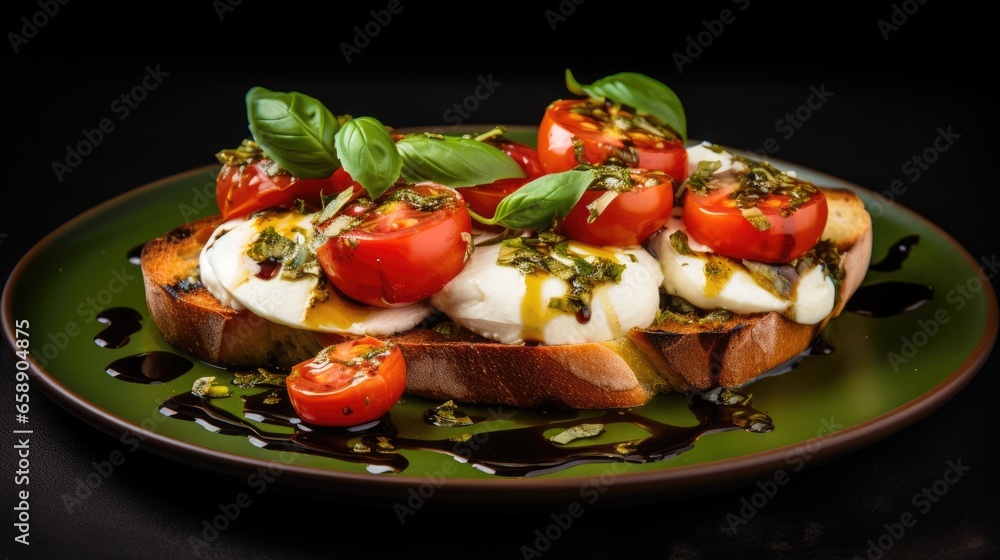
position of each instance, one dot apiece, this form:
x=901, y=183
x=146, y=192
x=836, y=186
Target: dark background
x=893, y=89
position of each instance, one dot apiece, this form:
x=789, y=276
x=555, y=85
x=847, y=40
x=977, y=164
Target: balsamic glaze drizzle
x=896, y=255
x=523, y=451
x=122, y=323
x=888, y=299
x=149, y=367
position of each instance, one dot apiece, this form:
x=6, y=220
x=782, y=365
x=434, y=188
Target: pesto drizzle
x=757, y=180
x=549, y=252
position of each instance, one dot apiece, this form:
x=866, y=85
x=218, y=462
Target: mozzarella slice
x=207, y=273
x=231, y=276
x=499, y=303
x=735, y=289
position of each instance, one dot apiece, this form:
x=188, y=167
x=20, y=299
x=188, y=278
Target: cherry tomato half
x=483, y=199
x=349, y=383
x=243, y=189
x=629, y=219
x=603, y=137
x=524, y=155
x=716, y=221
x=403, y=249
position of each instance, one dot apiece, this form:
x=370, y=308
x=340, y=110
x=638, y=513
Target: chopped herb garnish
x=423, y=203
x=577, y=432
x=680, y=310
x=207, y=387
x=623, y=122
x=296, y=258
x=679, y=241
x=261, y=377
x=754, y=180
x=247, y=152
x=825, y=253
x=550, y=253
x=447, y=415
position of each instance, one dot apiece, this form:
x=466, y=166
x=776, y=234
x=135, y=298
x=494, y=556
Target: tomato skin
x=628, y=220
x=241, y=190
x=525, y=156
x=560, y=127
x=323, y=393
x=399, y=255
x=714, y=220
x=483, y=199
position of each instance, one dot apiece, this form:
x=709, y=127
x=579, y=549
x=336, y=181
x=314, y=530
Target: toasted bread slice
x=622, y=373
x=190, y=318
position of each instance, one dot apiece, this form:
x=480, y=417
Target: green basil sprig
x=644, y=94
x=295, y=130
x=368, y=154
x=454, y=161
x=538, y=203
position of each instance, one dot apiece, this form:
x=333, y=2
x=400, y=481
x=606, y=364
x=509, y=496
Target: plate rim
x=630, y=488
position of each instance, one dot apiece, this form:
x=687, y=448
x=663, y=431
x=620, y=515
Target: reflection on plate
x=886, y=364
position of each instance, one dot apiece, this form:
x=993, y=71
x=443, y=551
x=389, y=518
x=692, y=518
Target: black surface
x=892, y=92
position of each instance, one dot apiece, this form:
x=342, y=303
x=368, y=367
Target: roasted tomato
x=401, y=249
x=631, y=216
x=762, y=215
x=349, y=383
x=575, y=131
x=249, y=181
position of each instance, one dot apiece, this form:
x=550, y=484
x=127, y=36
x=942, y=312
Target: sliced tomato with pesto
x=623, y=207
x=575, y=131
x=400, y=249
x=756, y=212
x=249, y=181
x=349, y=383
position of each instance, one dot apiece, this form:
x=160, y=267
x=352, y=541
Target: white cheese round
x=229, y=274
x=497, y=302
x=685, y=276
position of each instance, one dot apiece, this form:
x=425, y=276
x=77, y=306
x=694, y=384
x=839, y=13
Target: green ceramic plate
x=885, y=374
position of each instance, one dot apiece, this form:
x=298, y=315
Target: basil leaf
x=541, y=201
x=642, y=93
x=294, y=130
x=368, y=154
x=454, y=161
